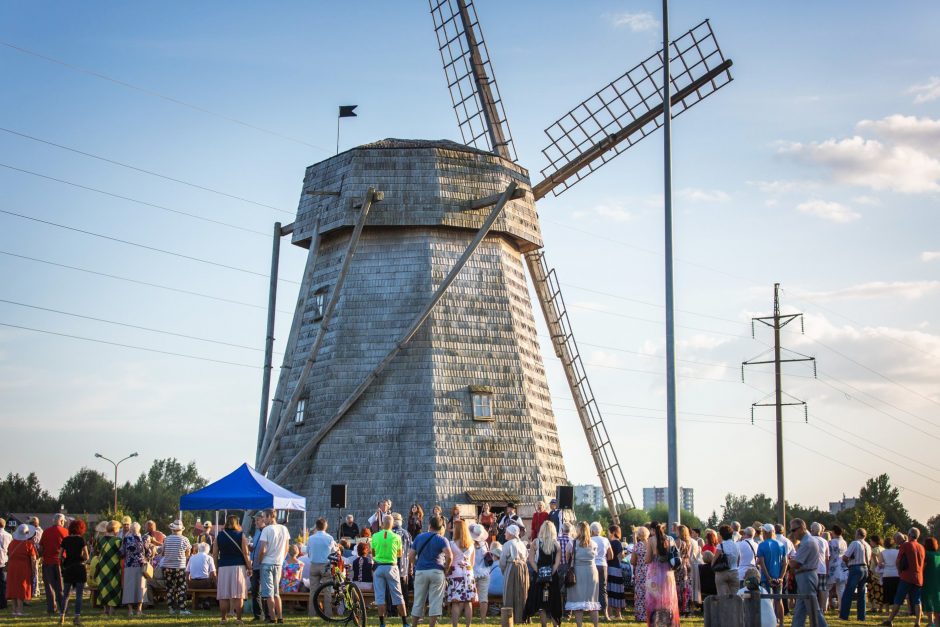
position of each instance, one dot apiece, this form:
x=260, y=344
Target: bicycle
x=341, y=596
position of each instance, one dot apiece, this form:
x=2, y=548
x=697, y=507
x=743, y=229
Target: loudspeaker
x=338, y=496
x=564, y=494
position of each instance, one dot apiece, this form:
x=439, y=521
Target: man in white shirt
x=747, y=552
x=782, y=538
x=200, y=570
x=319, y=547
x=272, y=550
x=736, y=531
x=375, y=520
x=822, y=569
x=5, y=540
x=856, y=557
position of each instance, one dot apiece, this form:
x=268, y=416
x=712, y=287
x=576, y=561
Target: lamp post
x=116, y=464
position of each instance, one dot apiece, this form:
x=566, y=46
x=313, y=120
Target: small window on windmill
x=481, y=398
x=299, y=412
x=319, y=303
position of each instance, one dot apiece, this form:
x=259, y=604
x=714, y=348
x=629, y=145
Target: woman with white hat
x=175, y=549
x=515, y=572
x=482, y=562
x=21, y=564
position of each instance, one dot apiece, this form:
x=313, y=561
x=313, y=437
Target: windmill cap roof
x=446, y=144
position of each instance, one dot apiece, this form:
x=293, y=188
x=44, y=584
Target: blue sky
x=818, y=167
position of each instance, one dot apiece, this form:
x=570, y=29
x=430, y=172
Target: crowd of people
x=549, y=570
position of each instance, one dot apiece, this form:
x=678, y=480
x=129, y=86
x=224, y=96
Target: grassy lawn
x=37, y=616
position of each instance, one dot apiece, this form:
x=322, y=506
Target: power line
x=157, y=94
x=135, y=200
x=138, y=245
x=128, y=325
x=629, y=317
x=140, y=348
x=144, y=171
x=842, y=463
x=139, y=282
x=875, y=372
x=644, y=302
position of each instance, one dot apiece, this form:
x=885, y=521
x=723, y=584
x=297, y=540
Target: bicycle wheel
x=340, y=603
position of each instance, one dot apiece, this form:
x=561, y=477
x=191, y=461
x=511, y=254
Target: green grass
x=37, y=616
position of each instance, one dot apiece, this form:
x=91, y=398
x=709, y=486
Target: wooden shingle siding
x=412, y=436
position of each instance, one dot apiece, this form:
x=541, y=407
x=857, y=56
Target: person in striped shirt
x=176, y=548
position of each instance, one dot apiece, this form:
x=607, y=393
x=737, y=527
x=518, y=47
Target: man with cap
x=206, y=535
x=258, y=608
x=554, y=514
x=772, y=563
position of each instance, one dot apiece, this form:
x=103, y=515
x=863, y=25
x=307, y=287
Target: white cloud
x=613, y=212
x=930, y=255
x=925, y=92
x=784, y=186
x=828, y=210
x=871, y=201
x=871, y=163
x=604, y=359
x=703, y=195
x=910, y=290
x=637, y=22
x=906, y=129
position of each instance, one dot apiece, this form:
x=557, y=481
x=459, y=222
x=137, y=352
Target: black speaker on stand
x=338, y=501
x=564, y=494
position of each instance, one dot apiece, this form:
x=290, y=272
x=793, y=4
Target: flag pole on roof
x=345, y=111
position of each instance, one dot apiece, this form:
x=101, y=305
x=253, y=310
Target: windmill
x=413, y=357
x=585, y=138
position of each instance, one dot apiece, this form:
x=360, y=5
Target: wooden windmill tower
x=413, y=369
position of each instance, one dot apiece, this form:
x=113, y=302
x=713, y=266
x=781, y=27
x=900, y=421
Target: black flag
x=347, y=111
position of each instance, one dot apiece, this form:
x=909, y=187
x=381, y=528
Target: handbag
x=571, y=579
x=720, y=563
x=675, y=561
x=147, y=570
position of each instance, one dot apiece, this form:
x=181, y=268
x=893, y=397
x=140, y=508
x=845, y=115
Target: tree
x=758, y=508
x=870, y=517
x=25, y=494
x=712, y=522
x=810, y=515
x=933, y=526
x=660, y=513
x=156, y=493
x=86, y=491
x=879, y=491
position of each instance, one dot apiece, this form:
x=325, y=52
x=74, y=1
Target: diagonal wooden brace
x=409, y=333
x=291, y=406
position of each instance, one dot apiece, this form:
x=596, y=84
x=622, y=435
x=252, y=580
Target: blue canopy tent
x=246, y=489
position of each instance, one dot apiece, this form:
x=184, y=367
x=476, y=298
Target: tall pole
x=115, y=464
x=778, y=401
x=671, y=427
x=269, y=338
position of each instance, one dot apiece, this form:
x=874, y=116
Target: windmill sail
x=473, y=90
x=630, y=107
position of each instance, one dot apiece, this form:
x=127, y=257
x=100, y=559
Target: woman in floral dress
x=461, y=586
x=638, y=560
x=109, y=569
x=662, y=603
x=684, y=572
x=136, y=552
x=292, y=571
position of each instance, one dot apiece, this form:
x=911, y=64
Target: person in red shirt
x=538, y=518
x=50, y=543
x=910, y=562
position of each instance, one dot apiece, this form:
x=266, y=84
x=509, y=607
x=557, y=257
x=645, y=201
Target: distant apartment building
x=654, y=497
x=592, y=495
x=837, y=506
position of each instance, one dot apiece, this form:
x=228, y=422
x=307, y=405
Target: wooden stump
x=506, y=617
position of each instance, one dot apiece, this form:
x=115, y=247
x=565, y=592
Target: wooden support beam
x=291, y=406
x=287, y=229
x=286, y=365
x=562, y=174
x=489, y=201
x=406, y=337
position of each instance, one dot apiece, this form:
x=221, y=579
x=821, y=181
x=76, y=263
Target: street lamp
x=116, y=464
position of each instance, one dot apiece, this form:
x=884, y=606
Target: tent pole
x=304, y=535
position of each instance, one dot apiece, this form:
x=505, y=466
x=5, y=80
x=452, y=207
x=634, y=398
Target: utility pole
x=777, y=322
